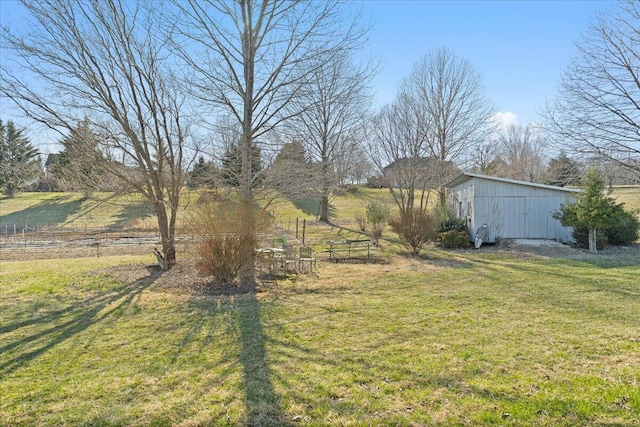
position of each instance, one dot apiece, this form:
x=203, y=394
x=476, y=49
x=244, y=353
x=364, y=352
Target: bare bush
x=361, y=219
x=377, y=215
x=415, y=227
x=226, y=234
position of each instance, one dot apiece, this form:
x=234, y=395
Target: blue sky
x=519, y=47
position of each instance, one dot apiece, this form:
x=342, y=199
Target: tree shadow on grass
x=134, y=211
x=51, y=212
x=58, y=326
x=263, y=405
x=311, y=207
x=238, y=315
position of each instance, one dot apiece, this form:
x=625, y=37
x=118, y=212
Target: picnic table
x=350, y=249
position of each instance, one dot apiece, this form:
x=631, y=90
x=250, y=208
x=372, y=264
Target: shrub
x=415, y=227
x=453, y=224
x=361, y=219
x=377, y=215
x=454, y=239
x=581, y=235
x=623, y=230
x=375, y=182
x=447, y=220
x=351, y=189
x=624, y=227
x=226, y=235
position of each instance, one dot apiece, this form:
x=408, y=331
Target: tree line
x=154, y=97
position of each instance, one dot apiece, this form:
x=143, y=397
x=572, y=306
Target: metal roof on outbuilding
x=466, y=176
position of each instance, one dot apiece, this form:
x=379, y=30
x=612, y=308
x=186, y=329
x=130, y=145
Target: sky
x=520, y=48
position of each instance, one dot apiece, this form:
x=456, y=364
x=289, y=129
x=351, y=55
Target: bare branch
x=597, y=111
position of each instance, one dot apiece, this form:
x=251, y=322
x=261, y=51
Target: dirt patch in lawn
x=183, y=279
x=551, y=249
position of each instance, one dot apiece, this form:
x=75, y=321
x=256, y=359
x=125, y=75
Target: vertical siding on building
x=512, y=211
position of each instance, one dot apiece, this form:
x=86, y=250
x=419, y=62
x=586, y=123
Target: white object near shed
x=511, y=209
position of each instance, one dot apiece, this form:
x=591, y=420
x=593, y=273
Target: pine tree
x=204, y=173
x=19, y=162
x=592, y=210
x=232, y=166
x=563, y=171
x=79, y=165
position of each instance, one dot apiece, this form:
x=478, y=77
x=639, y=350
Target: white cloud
x=504, y=120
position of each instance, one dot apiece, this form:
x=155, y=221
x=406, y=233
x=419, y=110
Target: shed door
x=514, y=224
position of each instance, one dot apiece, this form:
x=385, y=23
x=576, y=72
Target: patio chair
x=290, y=259
x=280, y=242
x=266, y=260
x=306, y=256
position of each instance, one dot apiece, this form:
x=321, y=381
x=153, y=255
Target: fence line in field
x=44, y=234
x=37, y=234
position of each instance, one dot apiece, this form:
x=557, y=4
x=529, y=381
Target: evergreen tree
x=592, y=210
x=79, y=167
x=19, y=162
x=232, y=166
x=292, y=152
x=563, y=171
x=292, y=174
x=204, y=173
x=497, y=167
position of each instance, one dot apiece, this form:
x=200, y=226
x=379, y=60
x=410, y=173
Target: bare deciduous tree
x=102, y=59
x=484, y=152
x=332, y=110
x=251, y=58
x=450, y=94
x=440, y=113
x=597, y=110
x=521, y=148
x=398, y=145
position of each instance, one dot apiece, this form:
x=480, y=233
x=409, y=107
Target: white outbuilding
x=511, y=209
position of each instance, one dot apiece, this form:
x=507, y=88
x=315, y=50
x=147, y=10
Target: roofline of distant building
x=466, y=176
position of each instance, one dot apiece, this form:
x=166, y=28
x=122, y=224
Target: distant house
x=428, y=170
x=511, y=209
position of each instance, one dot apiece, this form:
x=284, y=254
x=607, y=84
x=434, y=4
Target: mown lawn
x=629, y=195
x=72, y=210
x=453, y=338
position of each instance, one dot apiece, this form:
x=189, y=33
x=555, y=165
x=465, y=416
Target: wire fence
x=38, y=235
x=24, y=234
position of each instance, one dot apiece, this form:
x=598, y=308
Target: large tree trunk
x=442, y=195
x=324, y=208
x=326, y=187
x=592, y=240
x=246, y=178
x=9, y=190
x=166, y=237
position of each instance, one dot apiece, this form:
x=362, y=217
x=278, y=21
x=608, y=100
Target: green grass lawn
x=105, y=209
x=627, y=194
x=455, y=338
x=72, y=210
